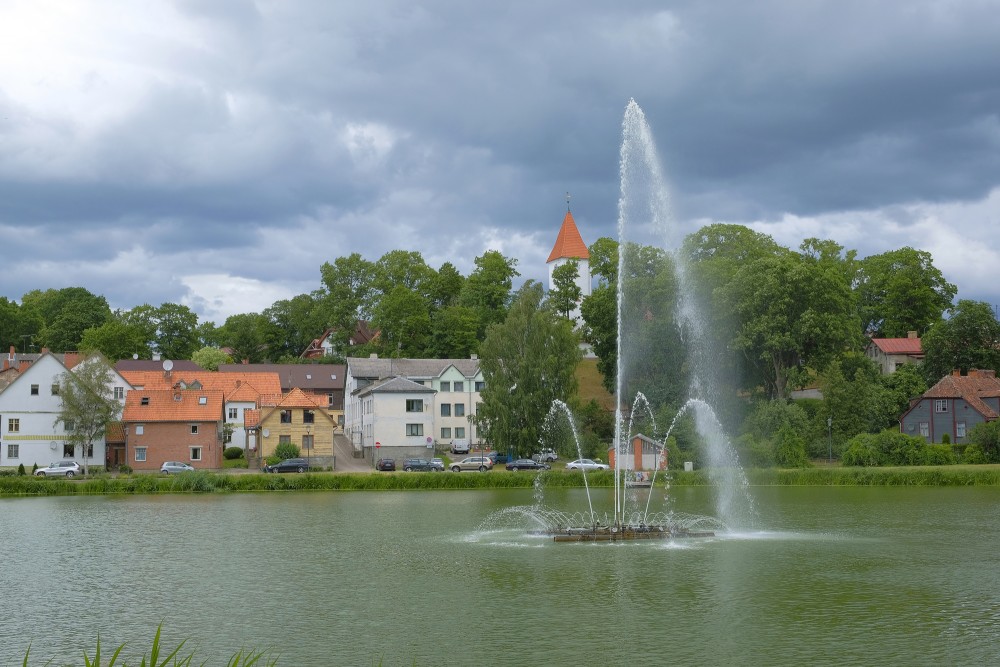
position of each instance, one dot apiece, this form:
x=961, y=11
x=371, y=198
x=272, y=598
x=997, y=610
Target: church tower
x=570, y=247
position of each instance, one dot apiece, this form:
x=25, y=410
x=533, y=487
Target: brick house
x=173, y=425
x=953, y=406
x=891, y=353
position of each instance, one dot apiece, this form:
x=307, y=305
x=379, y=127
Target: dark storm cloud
x=243, y=142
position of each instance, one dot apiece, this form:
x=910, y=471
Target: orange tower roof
x=569, y=243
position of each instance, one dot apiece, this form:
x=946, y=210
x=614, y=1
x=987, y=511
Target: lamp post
x=308, y=444
x=829, y=432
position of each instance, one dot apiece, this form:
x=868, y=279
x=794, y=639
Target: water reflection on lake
x=832, y=576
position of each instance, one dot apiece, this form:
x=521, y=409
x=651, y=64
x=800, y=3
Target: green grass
x=208, y=482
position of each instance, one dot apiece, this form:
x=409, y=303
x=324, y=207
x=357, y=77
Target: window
x=460, y=409
x=196, y=453
x=68, y=451
x=308, y=417
x=69, y=425
x=459, y=386
x=446, y=409
x=55, y=390
x=284, y=439
x=119, y=393
x=480, y=385
x=460, y=432
x=414, y=429
x=203, y=400
x=13, y=451
x=941, y=405
x=925, y=429
x=445, y=386
x=233, y=412
x=14, y=425
x=329, y=400
x=34, y=390
x=414, y=405
x=144, y=400
x=139, y=429
x=286, y=416
x=960, y=430
x=307, y=442
x=445, y=432
x=194, y=429
x=140, y=453
x=227, y=436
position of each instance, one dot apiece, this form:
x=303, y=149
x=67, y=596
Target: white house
x=29, y=407
x=378, y=393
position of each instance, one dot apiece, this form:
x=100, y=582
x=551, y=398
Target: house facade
x=295, y=418
x=640, y=453
x=891, y=353
x=324, y=382
x=173, y=425
x=30, y=432
x=448, y=391
x=953, y=406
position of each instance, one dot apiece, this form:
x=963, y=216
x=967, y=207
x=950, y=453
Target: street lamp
x=829, y=431
x=308, y=443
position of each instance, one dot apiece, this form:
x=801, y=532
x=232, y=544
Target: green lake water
x=826, y=576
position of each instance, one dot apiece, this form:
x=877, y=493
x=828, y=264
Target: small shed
x=641, y=453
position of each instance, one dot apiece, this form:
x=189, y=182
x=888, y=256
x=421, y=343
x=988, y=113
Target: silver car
x=60, y=469
x=175, y=466
x=480, y=463
x=586, y=464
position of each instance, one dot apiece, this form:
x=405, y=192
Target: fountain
x=643, y=319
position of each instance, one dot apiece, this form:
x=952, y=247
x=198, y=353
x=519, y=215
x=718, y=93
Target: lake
x=827, y=575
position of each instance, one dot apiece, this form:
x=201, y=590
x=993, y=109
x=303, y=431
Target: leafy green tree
x=176, y=331
x=488, y=289
x=210, y=358
x=404, y=322
x=604, y=260
x=245, y=335
x=454, y=333
x=117, y=340
x=969, y=338
x=445, y=286
x=67, y=313
x=292, y=326
x=599, y=312
x=901, y=291
x=790, y=449
x=565, y=293
x=347, y=295
x=528, y=361
x=402, y=268
x=986, y=438
x=87, y=403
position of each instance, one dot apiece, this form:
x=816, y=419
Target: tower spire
x=567, y=201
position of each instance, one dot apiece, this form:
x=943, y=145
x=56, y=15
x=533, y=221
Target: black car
x=527, y=464
x=410, y=465
x=385, y=464
x=289, y=465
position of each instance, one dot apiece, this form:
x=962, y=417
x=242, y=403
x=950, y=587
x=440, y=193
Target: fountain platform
x=615, y=534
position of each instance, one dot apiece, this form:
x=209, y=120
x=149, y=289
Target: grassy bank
x=207, y=482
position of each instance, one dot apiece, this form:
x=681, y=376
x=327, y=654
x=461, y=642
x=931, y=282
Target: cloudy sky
x=216, y=152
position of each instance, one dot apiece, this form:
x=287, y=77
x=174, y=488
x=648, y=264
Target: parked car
x=175, y=466
x=480, y=463
x=289, y=465
x=498, y=458
x=59, y=469
x=546, y=455
x=385, y=464
x=438, y=463
x=459, y=446
x=409, y=465
x=586, y=464
x=527, y=464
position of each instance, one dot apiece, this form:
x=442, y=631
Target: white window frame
x=233, y=413
x=195, y=453
x=960, y=430
x=119, y=393
x=194, y=429
x=140, y=454
x=925, y=429
x=940, y=405
x=414, y=429
x=139, y=428
x=13, y=425
x=13, y=450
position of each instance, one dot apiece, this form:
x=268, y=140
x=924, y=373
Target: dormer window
x=203, y=400
x=144, y=400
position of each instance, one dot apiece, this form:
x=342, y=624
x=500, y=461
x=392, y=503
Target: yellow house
x=296, y=418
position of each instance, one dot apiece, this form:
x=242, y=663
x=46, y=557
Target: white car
x=60, y=469
x=586, y=464
x=546, y=455
x=175, y=466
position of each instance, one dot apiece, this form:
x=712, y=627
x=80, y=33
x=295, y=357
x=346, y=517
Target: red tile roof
x=569, y=243
x=262, y=383
x=972, y=388
x=171, y=405
x=899, y=345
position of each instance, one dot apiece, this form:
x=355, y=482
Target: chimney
x=911, y=334
x=156, y=356
x=373, y=355
x=475, y=357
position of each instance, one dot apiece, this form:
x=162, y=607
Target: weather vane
x=567, y=202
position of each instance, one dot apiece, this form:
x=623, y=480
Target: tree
x=402, y=318
x=244, y=334
x=88, y=404
x=487, y=290
x=528, y=361
x=349, y=285
x=445, y=286
x=292, y=326
x=405, y=268
x=210, y=358
x=176, y=331
x=454, y=332
x=901, y=291
x=969, y=338
x=565, y=293
x=116, y=339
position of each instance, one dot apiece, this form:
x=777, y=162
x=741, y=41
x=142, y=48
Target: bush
x=975, y=455
x=20, y=470
x=945, y=439
x=286, y=450
x=125, y=469
x=233, y=453
x=940, y=455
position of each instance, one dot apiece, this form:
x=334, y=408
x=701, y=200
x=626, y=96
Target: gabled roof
x=909, y=346
x=972, y=388
x=296, y=398
x=368, y=367
x=262, y=383
x=569, y=243
x=173, y=405
x=303, y=376
x=395, y=385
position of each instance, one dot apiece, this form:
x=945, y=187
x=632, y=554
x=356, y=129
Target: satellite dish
x=167, y=364
x=266, y=433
